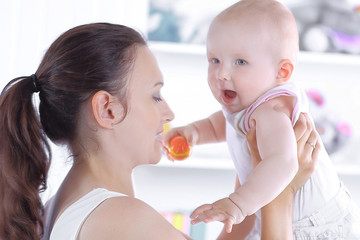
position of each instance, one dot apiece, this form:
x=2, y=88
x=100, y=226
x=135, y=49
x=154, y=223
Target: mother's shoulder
x=128, y=218
x=117, y=208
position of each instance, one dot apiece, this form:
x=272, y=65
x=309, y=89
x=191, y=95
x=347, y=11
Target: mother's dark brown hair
x=79, y=63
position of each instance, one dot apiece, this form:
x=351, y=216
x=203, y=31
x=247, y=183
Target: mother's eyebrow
x=159, y=84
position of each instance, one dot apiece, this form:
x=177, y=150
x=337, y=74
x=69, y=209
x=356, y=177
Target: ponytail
x=24, y=161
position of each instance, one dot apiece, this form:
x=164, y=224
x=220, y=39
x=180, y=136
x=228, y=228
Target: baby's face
x=243, y=63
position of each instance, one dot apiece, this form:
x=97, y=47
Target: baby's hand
x=223, y=210
x=189, y=132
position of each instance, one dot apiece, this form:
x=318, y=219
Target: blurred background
x=328, y=69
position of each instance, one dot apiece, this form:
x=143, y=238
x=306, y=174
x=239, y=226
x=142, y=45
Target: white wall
x=28, y=27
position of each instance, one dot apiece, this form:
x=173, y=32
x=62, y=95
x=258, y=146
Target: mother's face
x=147, y=112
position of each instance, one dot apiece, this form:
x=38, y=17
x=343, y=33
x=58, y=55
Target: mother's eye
x=157, y=98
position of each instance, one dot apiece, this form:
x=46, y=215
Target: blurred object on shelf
x=334, y=132
x=328, y=26
x=324, y=25
x=181, y=221
x=182, y=21
x=163, y=25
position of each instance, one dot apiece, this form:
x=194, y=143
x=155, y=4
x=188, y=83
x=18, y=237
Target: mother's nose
x=168, y=114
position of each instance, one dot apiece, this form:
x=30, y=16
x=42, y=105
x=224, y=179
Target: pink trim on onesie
x=268, y=96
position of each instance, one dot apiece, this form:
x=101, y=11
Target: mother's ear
x=285, y=71
x=103, y=109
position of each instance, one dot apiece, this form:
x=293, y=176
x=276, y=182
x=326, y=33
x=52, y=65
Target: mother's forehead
x=145, y=69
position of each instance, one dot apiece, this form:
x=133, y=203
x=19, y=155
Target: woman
x=100, y=95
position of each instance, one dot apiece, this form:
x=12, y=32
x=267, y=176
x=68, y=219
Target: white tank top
x=71, y=220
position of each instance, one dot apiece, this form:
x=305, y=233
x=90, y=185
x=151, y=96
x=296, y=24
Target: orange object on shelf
x=179, y=149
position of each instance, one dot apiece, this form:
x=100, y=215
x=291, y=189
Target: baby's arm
x=278, y=149
x=208, y=130
x=241, y=230
x=211, y=129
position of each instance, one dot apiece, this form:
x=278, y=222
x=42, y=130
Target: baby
x=252, y=48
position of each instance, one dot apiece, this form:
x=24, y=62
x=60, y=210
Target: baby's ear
x=285, y=70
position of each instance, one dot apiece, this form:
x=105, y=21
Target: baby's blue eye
x=240, y=62
x=215, y=60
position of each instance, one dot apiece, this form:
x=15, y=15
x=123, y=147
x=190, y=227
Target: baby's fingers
x=166, y=152
x=228, y=225
x=169, y=135
x=201, y=210
x=199, y=213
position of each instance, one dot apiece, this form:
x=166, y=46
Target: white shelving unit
x=309, y=57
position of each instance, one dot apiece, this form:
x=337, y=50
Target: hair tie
x=35, y=82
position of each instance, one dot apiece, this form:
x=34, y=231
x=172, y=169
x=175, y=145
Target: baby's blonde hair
x=272, y=16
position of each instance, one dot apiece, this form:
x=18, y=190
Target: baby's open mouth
x=229, y=96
